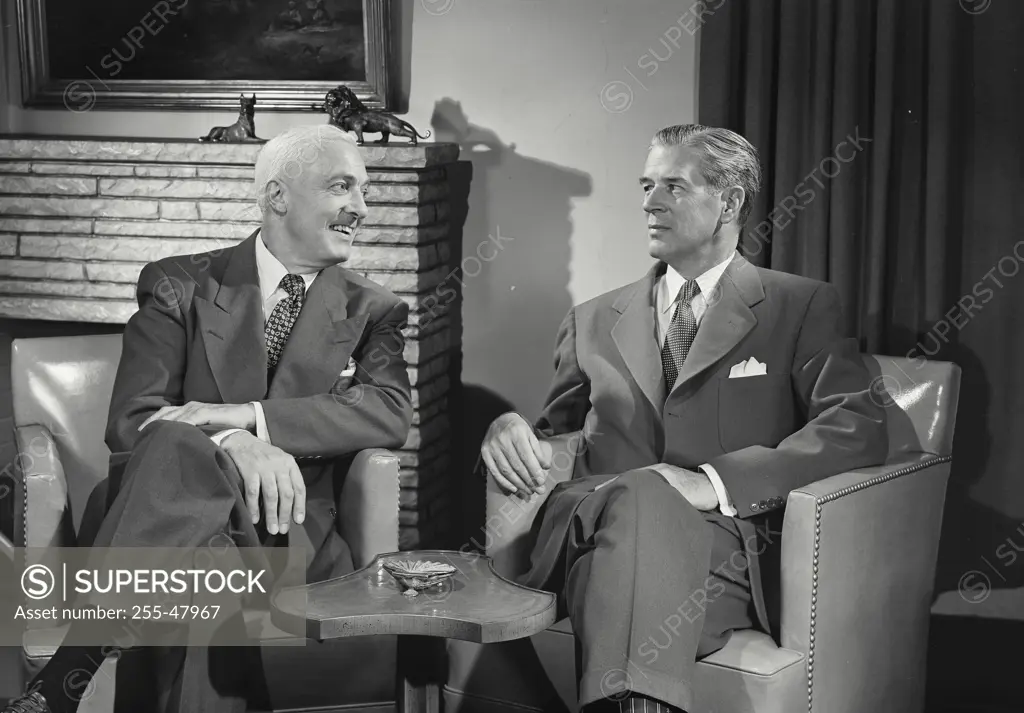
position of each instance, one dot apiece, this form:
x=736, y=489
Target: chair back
x=65, y=385
x=926, y=393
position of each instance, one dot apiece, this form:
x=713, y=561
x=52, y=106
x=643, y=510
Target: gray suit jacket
x=809, y=417
x=198, y=335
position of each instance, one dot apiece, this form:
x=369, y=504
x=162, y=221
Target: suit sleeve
x=844, y=428
x=151, y=372
x=568, y=400
x=375, y=411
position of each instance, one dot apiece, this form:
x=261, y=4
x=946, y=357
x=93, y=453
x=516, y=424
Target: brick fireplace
x=80, y=217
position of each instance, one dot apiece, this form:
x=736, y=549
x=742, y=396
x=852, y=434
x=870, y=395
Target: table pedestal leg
x=422, y=670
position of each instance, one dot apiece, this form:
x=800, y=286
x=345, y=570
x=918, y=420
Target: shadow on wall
x=981, y=549
x=513, y=276
x=980, y=559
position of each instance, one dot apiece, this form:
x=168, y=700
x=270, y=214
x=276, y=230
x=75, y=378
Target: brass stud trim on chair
x=24, y=499
x=817, y=539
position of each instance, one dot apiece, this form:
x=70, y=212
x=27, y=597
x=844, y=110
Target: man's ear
x=277, y=196
x=732, y=204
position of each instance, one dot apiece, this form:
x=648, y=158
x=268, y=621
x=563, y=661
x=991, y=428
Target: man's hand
x=199, y=414
x=268, y=470
x=514, y=456
x=695, y=486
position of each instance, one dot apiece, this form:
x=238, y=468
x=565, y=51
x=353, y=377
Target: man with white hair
x=247, y=375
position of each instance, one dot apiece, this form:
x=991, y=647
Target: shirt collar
x=707, y=282
x=271, y=271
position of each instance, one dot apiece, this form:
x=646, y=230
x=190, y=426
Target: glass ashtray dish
x=416, y=575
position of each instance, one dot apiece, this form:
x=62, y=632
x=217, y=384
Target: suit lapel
x=232, y=328
x=727, y=320
x=323, y=338
x=635, y=337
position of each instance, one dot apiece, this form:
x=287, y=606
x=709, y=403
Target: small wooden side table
x=477, y=604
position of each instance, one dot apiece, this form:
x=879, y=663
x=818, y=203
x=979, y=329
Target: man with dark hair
x=705, y=392
x=247, y=378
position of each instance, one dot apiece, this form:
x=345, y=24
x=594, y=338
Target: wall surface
x=553, y=104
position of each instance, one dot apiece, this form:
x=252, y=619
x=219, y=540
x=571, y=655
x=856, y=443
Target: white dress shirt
x=270, y=272
x=665, y=291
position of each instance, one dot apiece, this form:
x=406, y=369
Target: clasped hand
x=695, y=486
x=515, y=457
x=201, y=414
x=264, y=468
x=518, y=461
x=268, y=471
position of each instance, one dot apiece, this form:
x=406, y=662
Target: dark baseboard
x=974, y=665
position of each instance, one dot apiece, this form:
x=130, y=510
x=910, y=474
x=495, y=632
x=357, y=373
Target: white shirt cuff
x=219, y=437
x=261, y=423
x=724, y=501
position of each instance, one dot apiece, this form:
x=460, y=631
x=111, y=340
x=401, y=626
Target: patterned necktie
x=680, y=334
x=282, y=319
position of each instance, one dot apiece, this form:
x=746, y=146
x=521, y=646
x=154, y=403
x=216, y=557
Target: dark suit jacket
x=199, y=336
x=807, y=418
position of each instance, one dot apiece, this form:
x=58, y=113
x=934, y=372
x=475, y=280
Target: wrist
x=510, y=416
x=250, y=416
x=504, y=421
x=233, y=439
x=709, y=496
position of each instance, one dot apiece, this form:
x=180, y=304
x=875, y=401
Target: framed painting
x=201, y=54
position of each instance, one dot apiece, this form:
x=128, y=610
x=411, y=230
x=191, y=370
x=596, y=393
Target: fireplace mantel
x=81, y=216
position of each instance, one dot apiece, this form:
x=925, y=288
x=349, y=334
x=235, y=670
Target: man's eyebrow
x=350, y=178
x=665, y=179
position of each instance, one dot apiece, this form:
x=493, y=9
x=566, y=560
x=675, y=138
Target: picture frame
x=287, y=52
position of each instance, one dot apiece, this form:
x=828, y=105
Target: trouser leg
x=178, y=490
x=636, y=553
x=651, y=583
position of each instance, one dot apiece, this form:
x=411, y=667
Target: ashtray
x=416, y=575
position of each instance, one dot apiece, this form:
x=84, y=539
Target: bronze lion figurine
x=348, y=113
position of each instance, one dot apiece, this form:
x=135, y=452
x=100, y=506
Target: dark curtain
x=890, y=131
x=856, y=107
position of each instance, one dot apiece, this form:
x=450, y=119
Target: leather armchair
x=61, y=391
x=857, y=569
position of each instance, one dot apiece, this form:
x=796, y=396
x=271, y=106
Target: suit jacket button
x=763, y=504
x=753, y=506
x=333, y=512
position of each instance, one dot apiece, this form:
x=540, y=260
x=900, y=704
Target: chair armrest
x=41, y=517
x=368, y=505
x=41, y=502
x=858, y=568
x=509, y=518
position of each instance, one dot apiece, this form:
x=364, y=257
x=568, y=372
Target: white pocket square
x=750, y=367
x=350, y=369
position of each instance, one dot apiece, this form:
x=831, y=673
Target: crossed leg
x=178, y=490
x=650, y=585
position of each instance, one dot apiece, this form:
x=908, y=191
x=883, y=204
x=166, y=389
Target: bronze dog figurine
x=349, y=114
x=243, y=130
